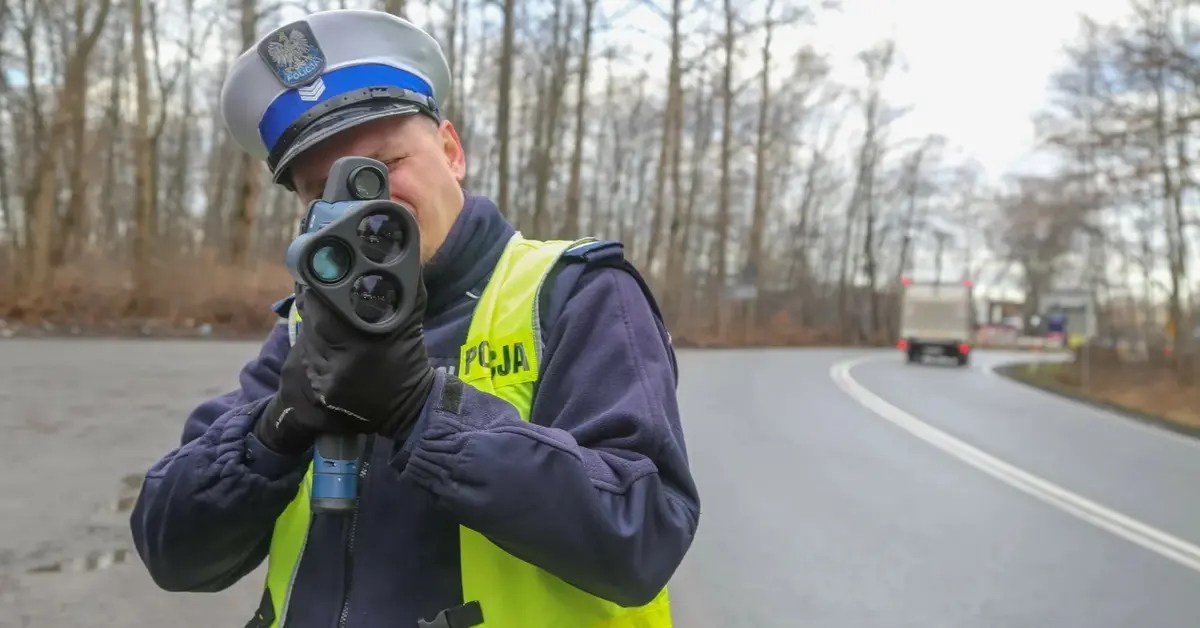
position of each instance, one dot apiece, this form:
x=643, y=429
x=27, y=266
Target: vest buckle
x=463, y=616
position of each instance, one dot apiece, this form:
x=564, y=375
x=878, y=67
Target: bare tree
x=574, y=192
x=249, y=186
x=504, y=102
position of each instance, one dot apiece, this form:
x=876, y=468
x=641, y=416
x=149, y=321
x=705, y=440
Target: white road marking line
x=1104, y=518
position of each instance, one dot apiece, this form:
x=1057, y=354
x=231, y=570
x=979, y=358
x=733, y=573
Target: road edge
x=1145, y=418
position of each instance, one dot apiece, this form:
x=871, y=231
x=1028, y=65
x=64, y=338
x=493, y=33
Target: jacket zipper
x=349, y=573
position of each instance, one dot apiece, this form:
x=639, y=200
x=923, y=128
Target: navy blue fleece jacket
x=599, y=476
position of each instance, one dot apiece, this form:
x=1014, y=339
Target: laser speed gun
x=359, y=252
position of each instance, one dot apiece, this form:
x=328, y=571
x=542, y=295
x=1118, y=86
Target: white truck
x=936, y=319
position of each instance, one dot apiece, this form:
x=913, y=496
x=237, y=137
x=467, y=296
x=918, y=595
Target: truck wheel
x=914, y=356
x=964, y=360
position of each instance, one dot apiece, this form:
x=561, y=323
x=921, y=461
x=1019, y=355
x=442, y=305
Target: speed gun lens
x=375, y=298
x=331, y=262
x=381, y=238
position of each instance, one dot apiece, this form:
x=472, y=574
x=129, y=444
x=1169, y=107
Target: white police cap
x=326, y=73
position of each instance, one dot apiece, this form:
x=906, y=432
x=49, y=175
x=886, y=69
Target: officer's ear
x=452, y=149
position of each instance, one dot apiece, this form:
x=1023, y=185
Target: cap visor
x=336, y=122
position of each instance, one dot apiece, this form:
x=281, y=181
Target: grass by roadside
x=1139, y=392
x=204, y=298
x=198, y=298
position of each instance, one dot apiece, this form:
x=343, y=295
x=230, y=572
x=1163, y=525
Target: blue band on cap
x=288, y=107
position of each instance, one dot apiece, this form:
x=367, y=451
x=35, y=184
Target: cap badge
x=293, y=53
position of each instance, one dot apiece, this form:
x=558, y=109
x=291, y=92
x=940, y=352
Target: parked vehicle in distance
x=936, y=319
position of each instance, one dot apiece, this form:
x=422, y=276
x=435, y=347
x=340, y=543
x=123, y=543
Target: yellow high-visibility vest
x=511, y=592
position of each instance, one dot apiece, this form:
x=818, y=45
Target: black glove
x=337, y=379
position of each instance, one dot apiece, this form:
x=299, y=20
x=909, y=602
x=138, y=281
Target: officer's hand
x=338, y=379
x=294, y=417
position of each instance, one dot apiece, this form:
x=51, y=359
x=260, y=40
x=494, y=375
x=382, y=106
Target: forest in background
x=124, y=205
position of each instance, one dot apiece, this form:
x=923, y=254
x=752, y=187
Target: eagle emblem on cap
x=289, y=51
x=293, y=53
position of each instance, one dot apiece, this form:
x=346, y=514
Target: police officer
x=525, y=465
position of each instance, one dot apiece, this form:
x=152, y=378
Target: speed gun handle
x=336, y=463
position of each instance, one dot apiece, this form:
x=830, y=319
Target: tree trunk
x=573, y=225
x=504, y=105
x=246, y=201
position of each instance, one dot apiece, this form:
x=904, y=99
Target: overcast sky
x=977, y=70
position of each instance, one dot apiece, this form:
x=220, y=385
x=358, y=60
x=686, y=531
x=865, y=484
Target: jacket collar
x=466, y=259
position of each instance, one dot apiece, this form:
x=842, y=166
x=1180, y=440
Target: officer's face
x=425, y=162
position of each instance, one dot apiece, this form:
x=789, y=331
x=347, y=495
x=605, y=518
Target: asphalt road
x=826, y=503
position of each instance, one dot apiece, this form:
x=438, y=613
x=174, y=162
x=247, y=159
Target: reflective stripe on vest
x=501, y=356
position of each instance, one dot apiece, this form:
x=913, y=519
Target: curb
x=1007, y=371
